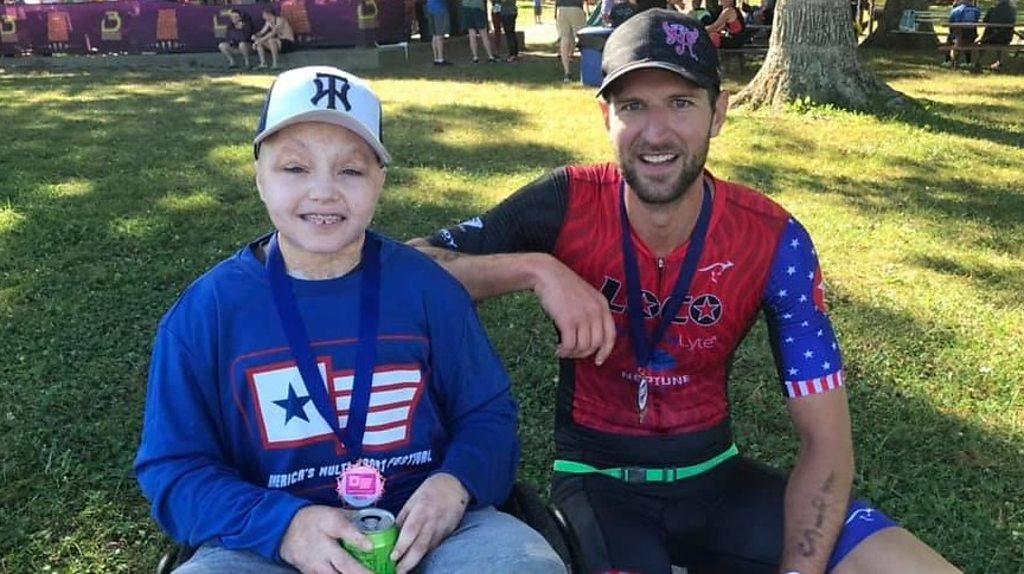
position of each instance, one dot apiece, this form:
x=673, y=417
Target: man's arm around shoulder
x=579, y=311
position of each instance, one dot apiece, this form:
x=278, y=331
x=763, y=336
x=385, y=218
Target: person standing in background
x=474, y=16
x=569, y=18
x=509, y=12
x=437, y=16
x=496, y=27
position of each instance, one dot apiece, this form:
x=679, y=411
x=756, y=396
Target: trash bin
x=592, y=39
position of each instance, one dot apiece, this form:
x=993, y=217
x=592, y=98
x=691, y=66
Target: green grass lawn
x=118, y=189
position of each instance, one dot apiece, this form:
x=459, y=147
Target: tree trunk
x=887, y=35
x=813, y=55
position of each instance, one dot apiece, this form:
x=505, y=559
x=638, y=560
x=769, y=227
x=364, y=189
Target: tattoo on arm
x=807, y=545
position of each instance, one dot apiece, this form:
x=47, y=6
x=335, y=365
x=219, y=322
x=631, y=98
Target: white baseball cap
x=322, y=94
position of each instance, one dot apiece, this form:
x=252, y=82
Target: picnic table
x=912, y=20
x=758, y=35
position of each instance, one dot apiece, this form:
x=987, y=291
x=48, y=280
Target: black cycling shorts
x=729, y=519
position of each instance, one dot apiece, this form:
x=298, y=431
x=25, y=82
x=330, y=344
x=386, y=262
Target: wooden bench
x=911, y=22
x=758, y=46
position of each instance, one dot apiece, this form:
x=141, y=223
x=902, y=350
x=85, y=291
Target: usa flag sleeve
x=807, y=354
x=195, y=496
x=473, y=392
x=529, y=220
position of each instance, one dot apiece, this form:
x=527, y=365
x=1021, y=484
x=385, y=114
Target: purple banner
x=137, y=26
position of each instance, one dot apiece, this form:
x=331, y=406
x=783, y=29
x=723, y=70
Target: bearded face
x=661, y=126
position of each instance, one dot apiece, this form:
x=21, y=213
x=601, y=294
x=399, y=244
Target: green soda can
x=379, y=526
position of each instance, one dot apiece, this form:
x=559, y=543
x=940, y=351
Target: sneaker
x=567, y=79
x=492, y=60
x=442, y=63
x=512, y=59
x=476, y=60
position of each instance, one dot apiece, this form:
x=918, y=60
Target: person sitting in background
x=237, y=38
x=1004, y=14
x=699, y=13
x=727, y=30
x=275, y=36
x=963, y=12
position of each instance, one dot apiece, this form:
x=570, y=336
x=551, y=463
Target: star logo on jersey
x=706, y=310
x=288, y=417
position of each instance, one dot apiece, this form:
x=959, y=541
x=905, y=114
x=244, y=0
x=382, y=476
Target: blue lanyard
x=351, y=437
x=643, y=348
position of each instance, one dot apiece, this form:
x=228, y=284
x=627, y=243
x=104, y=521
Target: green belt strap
x=640, y=475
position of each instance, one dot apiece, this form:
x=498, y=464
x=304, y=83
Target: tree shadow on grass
x=980, y=120
x=1003, y=286
x=976, y=121
x=418, y=135
x=538, y=67
x=947, y=200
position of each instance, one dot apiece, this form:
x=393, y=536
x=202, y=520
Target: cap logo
x=327, y=86
x=684, y=38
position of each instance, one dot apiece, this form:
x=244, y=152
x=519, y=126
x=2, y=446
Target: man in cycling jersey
x=654, y=271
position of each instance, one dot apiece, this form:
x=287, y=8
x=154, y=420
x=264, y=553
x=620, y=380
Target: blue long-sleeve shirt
x=233, y=446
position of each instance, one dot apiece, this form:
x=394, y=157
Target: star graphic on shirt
x=803, y=298
x=834, y=346
x=826, y=365
x=293, y=406
x=783, y=292
x=808, y=354
x=789, y=339
x=793, y=372
x=790, y=270
x=811, y=275
x=795, y=243
x=821, y=332
x=787, y=316
x=805, y=324
x=706, y=310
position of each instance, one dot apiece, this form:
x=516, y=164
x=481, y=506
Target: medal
x=360, y=485
x=644, y=347
x=641, y=396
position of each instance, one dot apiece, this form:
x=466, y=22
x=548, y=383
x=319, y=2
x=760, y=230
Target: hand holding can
x=380, y=528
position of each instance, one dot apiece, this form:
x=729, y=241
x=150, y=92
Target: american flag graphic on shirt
x=805, y=345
